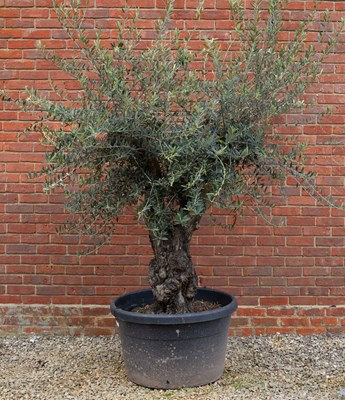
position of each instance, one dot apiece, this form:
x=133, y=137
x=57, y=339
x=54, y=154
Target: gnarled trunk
x=171, y=273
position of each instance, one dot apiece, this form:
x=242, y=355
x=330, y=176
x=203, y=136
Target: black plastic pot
x=173, y=351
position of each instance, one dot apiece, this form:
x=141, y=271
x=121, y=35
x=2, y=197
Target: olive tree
x=172, y=132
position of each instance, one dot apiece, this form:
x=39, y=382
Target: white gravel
x=82, y=368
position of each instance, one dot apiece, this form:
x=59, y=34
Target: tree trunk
x=171, y=273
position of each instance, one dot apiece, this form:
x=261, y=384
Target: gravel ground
x=258, y=368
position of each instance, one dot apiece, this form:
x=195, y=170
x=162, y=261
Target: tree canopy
x=173, y=131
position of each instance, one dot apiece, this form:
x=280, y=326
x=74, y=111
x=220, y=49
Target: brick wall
x=288, y=278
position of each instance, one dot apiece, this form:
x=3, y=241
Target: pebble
x=279, y=367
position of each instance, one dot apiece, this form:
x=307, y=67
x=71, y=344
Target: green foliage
x=150, y=130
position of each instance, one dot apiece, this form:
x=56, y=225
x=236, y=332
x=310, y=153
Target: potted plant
x=175, y=132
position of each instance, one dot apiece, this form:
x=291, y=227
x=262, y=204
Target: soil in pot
x=197, y=306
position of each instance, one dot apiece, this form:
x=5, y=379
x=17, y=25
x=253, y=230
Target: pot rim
x=121, y=307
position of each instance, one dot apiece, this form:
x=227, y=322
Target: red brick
x=35, y=299
x=10, y=279
x=270, y=241
x=324, y=322
x=336, y=311
x=10, y=299
x=20, y=289
x=316, y=271
x=287, y=251
x=109, y=3
x=336, y=330
x=274, y=301
x=75, y=270
x=106, y=322
x=249, y=301
x=257, y=271
x=66, y=300
x=50, y=290
x=66, y=280
x=80, y=291
x=37, y=280
x=98, y=331
x=20, y=249
x=331, y=301
x=237, y=322
x=101, y=299
x=250, y=312
x=285, y=291
x=311, y=331
x=50, y=269
x=333, y=262
x=256, y=291
x=51, y=249
x=299, y=322
x=303, y=301
x=265, y=321
x=316, y=252
x=339, y=281
x=280, y=312
x=258, y=251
